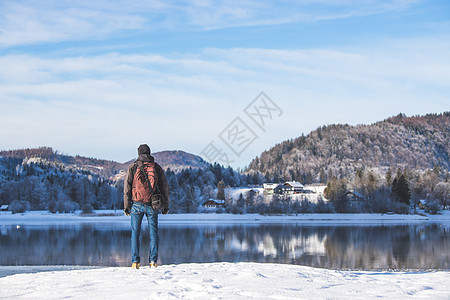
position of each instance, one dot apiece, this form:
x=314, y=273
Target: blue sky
x=97, y=78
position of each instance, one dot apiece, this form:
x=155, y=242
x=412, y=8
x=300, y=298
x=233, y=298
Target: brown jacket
x=128, y=184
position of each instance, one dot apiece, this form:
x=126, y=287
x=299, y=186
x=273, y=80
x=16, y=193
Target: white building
x=213, y=203
x=293, y=187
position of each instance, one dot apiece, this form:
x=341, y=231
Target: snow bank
x=225, y=281
x=117, y=217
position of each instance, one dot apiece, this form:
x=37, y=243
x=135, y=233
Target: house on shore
x=293, y=187
x=423, y=204
x=354, y=197
x=289, y=187
x=269, y=188
x=213, y=203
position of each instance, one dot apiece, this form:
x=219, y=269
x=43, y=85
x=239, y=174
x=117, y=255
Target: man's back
x=144, y=178
x=136, y=188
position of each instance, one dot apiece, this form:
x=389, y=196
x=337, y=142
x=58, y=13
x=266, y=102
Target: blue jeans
x=138, y=211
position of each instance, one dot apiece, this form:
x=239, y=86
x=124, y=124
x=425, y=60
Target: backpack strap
x=140, y=165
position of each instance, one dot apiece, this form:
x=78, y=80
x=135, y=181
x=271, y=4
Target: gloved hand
x=127, y=212
x=165, y=211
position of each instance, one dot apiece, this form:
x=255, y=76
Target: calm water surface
x=337, y=247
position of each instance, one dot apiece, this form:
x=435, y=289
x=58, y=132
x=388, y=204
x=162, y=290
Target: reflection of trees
x=368, y=247
x=388, y=247
x=71, y=245
x=401, y=243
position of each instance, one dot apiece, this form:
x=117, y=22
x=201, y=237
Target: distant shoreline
x=117, y=217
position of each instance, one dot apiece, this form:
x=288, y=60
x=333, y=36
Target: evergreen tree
x=322, y=176
x=389, y=177
x=221, y=190
x=400, y=189
x=104, y=197
x=336, y=191
x=240, y=202
x=250, y=198
x=341, y=202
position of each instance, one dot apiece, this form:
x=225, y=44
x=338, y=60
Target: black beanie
x=143, y=149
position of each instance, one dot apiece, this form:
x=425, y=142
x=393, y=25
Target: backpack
x=145, y=185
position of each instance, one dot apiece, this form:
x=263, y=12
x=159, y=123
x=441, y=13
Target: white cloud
x=100, y=105
x=34, y=22
x=31, y=22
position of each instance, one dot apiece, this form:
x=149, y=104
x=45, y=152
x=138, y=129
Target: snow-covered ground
x=117, y=217
x=225, y=281
x=218, y=280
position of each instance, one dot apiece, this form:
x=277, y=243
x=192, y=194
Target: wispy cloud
x=185, y=100
x=33, y=22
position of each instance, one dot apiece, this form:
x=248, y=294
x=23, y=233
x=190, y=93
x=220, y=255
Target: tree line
x=45, y=185
x=40, y=184
x=369, y=191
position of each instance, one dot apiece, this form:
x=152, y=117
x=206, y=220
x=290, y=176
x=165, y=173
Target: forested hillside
x=178, y=160
x=43, y=179
x=420, y=143
x=101, y=167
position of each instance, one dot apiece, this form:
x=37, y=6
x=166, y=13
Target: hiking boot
x=135, y=265
x=153, y=264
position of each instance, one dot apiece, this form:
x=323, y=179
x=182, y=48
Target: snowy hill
x=176, y=160
x=421, y=142
x=101, y=167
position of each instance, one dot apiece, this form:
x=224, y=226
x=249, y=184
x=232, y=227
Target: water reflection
x=358, y=247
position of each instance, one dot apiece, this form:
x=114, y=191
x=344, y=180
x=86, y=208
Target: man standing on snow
x=146, y=192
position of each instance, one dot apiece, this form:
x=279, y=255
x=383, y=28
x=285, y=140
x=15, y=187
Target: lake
x=336, y=247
